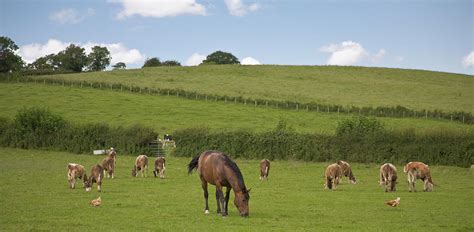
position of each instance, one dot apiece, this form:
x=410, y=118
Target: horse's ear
x=248, y=191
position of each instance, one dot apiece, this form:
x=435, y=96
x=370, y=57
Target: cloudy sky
x=417, y=34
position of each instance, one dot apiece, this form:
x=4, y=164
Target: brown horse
x=74, y=171
x=347, y=171
x=141, y=164
x=388, y=177
x=218, y=169
x=97, y=175
x=108, y=163
x=418, y=170
x=332, y=176
x=264, y=169
x=160, y=167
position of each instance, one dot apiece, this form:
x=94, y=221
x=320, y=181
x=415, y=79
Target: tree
x=48, y=62
x=119, y=65
x=153, y=62
x=73, y=58
x=9, y=61
x=99, y=58
x=221, y=57
x=171, y=63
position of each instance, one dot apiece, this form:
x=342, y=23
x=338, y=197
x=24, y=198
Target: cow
x=332, y=176
x=388, y=177
x=418, y=170
x=264, y=169
x=97, y=175
x=141, y=164
x=108, y=163
x=74, y=171
x=160, y=167
x=347, y=171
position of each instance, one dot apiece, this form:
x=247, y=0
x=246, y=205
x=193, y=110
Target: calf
x=418, y=170
x=332, y=176
x=264, y=169
x=388, y=177
x=160, y=167
x=347, y=171
x=108, y=163
x=141, y=164
x=97, y=175
x=74, y=171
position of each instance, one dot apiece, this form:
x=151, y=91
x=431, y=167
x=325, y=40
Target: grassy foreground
x=35, y=196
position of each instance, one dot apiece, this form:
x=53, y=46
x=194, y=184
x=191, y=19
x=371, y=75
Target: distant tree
x=99, y=58
x=153, y=62
x=171, y=63
x=9, y=61
x=119, y=65
x=73, y=58
x=221, y=57
x=48, y=62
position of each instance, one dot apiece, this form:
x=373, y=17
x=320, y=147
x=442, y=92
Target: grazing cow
x=332, y=176
x=74, y=171
x=264, y=169
x=141, y=164
x=418, y=170
x=97, y=175
x=108, y=163
x=347, y=171
x=388, y=177
x=160, y=167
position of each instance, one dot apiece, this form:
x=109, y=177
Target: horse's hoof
x=206, y=212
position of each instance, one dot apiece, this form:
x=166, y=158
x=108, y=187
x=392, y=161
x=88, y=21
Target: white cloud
x=377, y=57
x=118, y=51
x=249, y=61
x=195, y=59
x=468, y=61
x=159, y=8
x=237, y=8
x=399, y=59
x=346, y=53
x=65, y=16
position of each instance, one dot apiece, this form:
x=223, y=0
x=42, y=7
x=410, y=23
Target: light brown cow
x=418, y=170
x=388, y=177
x=75, y=171
x=108, y=163
x=160, y=167
x=347, y=171
x=332, y=176
x=264, y=169
x=141, y=164
x=97, y=175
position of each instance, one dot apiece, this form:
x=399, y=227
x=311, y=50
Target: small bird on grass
x=393, y=203
x=96, y=202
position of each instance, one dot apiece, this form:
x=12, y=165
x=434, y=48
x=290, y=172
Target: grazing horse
x=141, y=164
x=108, y=163
x=74, y=171
x=264, y=169
x=160, y=167
x=218, y=169
x=418, y=170
x=332, y=176
x=347, y=171
x=97, y=175
x=388, y=177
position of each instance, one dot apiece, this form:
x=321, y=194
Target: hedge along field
x=167, y=114
x=346, y=86
x=293, y=199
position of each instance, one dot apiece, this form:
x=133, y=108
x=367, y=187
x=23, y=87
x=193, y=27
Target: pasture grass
x=167, y=114
x=35, y=196
x=346, y=86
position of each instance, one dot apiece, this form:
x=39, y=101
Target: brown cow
x=74, y=171
x=108, y=163
x=347, y=171
x=418, y=170
x=141, y=164
x=332, y=176
x=388, y=177
x=97, y=175
x=160, y=167
x=264, y=169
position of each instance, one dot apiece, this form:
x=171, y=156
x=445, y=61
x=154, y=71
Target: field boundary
x=381, y=111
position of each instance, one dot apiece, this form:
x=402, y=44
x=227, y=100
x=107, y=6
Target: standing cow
x=418, y=170
x=264, y=169
x=160, y=167
x=75, y=171
x=388, y=177
x=347, y=171
x=332, y=176
x=141, y=164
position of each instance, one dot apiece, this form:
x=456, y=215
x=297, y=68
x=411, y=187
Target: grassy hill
x=346, y=86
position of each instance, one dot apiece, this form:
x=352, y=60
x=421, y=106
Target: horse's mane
x=231, y=164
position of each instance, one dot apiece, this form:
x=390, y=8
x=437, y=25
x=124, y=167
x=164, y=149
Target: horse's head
x=134, y=172
x=241, y=201
x=352, y=178
x=87, y=183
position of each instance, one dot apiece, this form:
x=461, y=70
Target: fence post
x=255, y=103
x=426, y=113
x=266, y=103
x=307, y=108
x=225, y=100
x=463, y=119
x=451, y=118
x=337, y=110
x=328, y=109
x=297, y=107
x=245, y=101
x=206, y=97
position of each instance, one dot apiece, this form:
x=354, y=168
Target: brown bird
x=96, y=202
x=393, y=203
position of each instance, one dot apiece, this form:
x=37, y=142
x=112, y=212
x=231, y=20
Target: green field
x=346, y=86
x=35, y=196
x=166, y=114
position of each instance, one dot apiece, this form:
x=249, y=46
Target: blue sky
x=432, y=35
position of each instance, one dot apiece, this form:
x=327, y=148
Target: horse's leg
x=227, y=194
x=220, y=200
x=206, y=195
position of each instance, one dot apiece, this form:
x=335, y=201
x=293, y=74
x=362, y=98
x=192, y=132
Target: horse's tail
x=193, y=164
